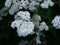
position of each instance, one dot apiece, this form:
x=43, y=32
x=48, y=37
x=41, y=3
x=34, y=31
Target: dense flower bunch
x=23, y=24
x=23, y=15
x=47, y=3
x=56, y=22
x=16, y=5
x=23, y=21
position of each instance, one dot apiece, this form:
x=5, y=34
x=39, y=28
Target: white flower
x=25, y=29
x=20, y=5
x=16, y=23
x=14, y=8
x=8, y=3
x=43, y=26
x=44, y=5
x=14, y=1
x=24, y=15
x=51, y=4
x=36, y=19
x=24, y=3
x=32, y=5
x=56, y=22
x=17, y=17
x=47, y=3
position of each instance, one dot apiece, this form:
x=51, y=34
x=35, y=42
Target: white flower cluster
x=43, y=26
x=15, y=5
x=24, y=27
x=8, y=3
x=56, y=22
x=22, y=19
x=14, y=8
x=23, y=15
x=32, y=5
x=16, y=23
x=47, y=3
x=36, y=20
